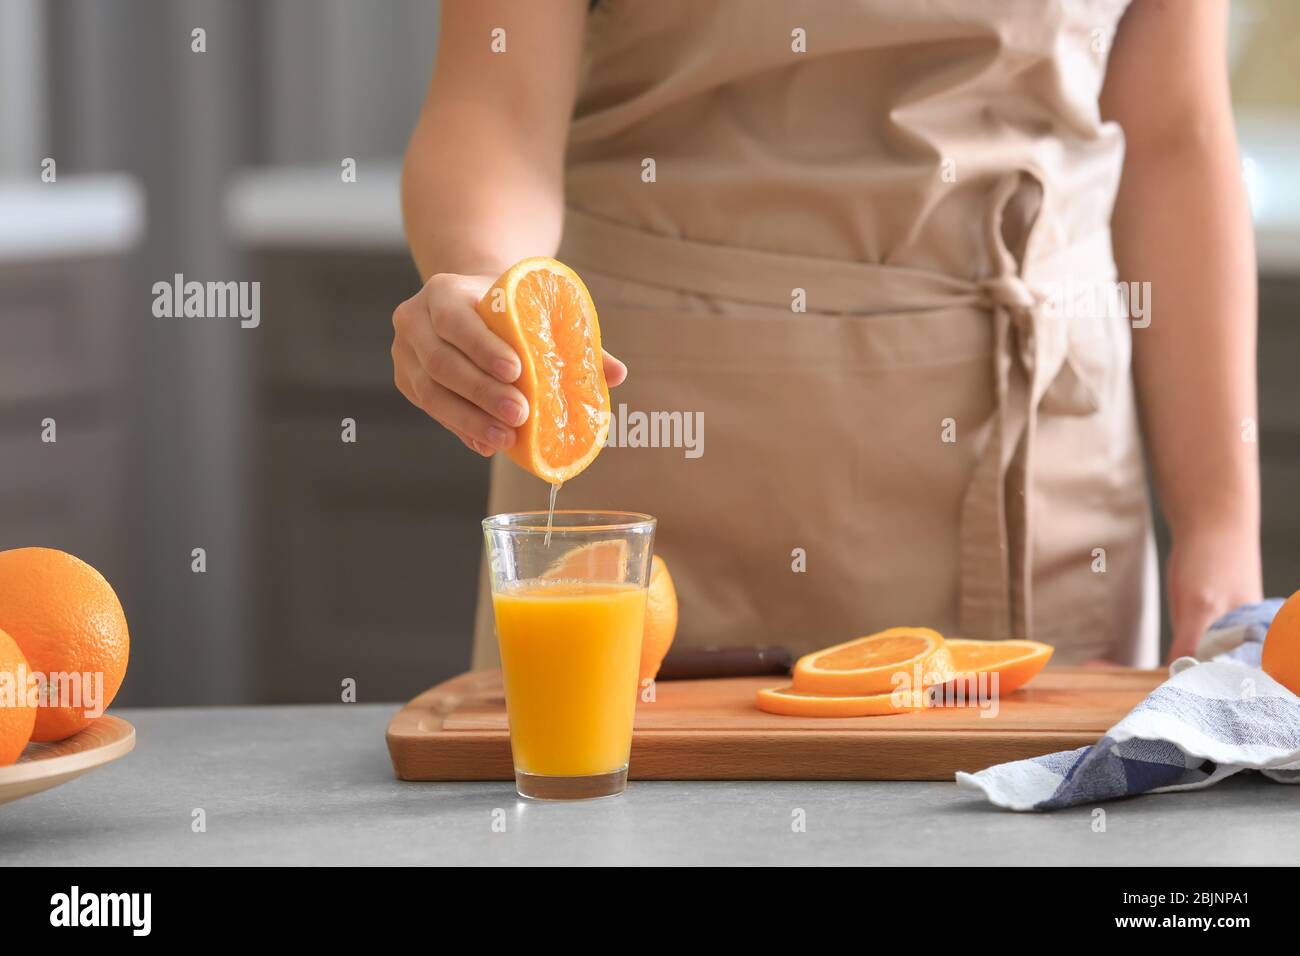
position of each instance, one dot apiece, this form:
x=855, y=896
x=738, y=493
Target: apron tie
x=1010, y=292
x=1031, y=359
x=1031, y=348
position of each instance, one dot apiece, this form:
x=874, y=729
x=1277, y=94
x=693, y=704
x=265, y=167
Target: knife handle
x=701, y=663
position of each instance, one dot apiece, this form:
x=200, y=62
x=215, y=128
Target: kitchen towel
x=1212, y=718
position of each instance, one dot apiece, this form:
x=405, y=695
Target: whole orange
x=16, y=718
x=660, y=619
x=1281, y=657
x=67, y=620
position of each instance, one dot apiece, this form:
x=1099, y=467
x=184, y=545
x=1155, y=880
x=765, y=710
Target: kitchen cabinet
x=366, y=552
x=64, y=366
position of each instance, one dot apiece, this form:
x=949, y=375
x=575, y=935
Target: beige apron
x=867, y=269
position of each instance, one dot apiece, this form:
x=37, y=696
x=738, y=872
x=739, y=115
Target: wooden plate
x=43, y=766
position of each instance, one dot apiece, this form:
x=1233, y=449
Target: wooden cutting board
x=710, y=730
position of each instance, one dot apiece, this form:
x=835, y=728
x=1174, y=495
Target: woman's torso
x=911, y=144
x=877, y=144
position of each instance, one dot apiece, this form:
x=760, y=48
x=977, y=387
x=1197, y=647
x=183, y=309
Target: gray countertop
x=313, y=785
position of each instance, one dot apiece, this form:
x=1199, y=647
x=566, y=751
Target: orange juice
x=569, y=654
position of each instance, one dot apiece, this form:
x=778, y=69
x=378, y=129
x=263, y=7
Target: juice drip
x=550, y=514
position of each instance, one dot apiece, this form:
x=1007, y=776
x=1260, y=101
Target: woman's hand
x=1211, y=571
x=483, y=187
x=447, y=363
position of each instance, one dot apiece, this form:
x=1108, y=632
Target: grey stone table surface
x=313, y=785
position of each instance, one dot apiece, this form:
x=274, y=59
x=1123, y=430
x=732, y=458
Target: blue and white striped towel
x=1208, y=721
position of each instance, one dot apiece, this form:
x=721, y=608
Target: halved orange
x=607, y=561
x=1016, y=662
x=598, y=561
x=544, y=312
x=875, y=664
x=792, y=703
x=660, y=619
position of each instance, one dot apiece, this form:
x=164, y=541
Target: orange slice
x=875, y=664
x=544, y=312
x=598, y=561
x=1015, y=662
x=792, y=703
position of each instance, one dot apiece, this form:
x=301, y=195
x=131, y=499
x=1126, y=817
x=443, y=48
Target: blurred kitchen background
x=324, y=560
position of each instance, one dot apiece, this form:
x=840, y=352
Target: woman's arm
x=482, y=187
x=1181, y=223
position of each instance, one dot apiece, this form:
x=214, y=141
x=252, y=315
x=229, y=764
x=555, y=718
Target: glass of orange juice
x=569, y=592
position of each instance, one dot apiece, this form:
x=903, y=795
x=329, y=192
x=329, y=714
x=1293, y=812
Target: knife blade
x=711, y=662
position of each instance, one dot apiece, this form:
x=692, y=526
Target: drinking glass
x=569, y=595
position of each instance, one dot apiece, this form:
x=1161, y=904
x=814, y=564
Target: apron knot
x=1031, y=369
x=1039, y=338
x=1011, y=292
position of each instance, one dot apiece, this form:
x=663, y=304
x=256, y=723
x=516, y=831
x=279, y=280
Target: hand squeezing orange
x=541, y=309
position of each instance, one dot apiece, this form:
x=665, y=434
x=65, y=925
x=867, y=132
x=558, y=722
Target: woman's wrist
x=1237, y=529
x=1214, y=566
x=1224, y=506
